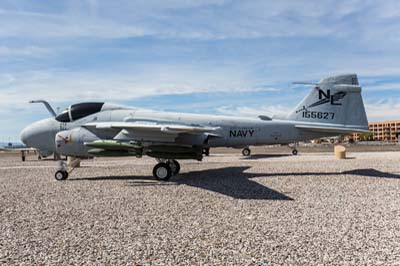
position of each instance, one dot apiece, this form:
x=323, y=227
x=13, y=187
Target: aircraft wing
x=160, y=140
x=154, y=127
x=148, y=131
x=332, y=129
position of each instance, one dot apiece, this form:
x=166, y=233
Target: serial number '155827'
x=318, y=115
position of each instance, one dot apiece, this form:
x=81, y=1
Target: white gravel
x=227, y=210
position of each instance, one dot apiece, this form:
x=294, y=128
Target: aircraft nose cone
x=40, y=135
x=24, y=136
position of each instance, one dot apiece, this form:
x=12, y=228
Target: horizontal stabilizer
x=333, y=129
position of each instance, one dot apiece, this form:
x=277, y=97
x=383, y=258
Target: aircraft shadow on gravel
x=233, y=181
x=229, y=181
x=369, y=172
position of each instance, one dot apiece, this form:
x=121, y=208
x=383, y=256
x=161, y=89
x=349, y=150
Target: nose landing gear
x=64, y=169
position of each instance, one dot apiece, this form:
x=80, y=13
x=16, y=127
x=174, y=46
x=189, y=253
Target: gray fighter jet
x=334, y=106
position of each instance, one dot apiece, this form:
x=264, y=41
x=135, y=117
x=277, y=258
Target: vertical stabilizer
x=334, y=100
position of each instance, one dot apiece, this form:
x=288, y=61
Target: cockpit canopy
x=78, y=111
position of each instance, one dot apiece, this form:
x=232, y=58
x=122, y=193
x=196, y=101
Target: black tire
x=162, y=171
x=61, y=175
x=246, y=152
x=176, y=168
x=295, y=152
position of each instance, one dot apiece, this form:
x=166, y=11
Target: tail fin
x=334, y=102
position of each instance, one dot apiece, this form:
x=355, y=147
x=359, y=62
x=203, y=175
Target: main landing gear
x=165, y=169
x=294, y=149
x=61, y=175
x=246, y=151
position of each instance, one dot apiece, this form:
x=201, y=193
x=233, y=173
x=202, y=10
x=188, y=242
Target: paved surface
x=227, y=210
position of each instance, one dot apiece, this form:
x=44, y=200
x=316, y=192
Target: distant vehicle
x=22, y=150
x=334, y=106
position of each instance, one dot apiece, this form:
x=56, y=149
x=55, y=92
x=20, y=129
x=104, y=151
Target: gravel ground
x=309, y=209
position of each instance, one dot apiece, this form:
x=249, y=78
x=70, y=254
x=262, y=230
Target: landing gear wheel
x=162, y=171
x=295, y=152
x=61, y=175
x=246, y=152
x=175, y=167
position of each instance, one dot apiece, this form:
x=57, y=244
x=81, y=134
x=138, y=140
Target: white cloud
x=28, y=51
x=383, y=86
x=40, y=25
x=385, y=109
x=141, y=81
x=197, y=20
x=6, y=79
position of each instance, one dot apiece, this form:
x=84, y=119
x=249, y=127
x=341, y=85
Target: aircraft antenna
x=48, y=106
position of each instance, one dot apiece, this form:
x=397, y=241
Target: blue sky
x=211, y=56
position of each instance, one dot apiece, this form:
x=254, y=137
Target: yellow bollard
x=340, y=152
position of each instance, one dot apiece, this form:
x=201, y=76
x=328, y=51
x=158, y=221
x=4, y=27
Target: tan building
x=382, y=131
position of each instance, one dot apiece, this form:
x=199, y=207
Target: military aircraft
x=334, y=106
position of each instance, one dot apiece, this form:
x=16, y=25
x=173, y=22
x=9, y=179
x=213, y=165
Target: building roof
x=385, y=122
